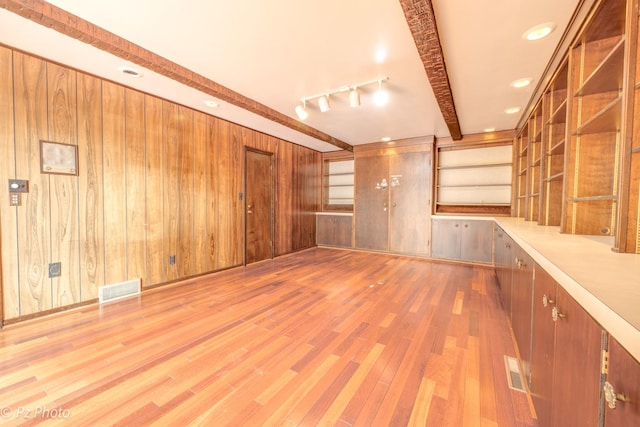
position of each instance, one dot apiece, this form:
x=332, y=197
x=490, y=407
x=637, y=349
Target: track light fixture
x=380, y=97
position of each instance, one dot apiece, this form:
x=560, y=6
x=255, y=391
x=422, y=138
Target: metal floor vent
x=119, y=290
x=514, y=377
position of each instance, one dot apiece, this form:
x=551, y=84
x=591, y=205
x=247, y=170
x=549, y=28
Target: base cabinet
x=465, y=240
x=622, y=388
x=334, y=230
x=503, y=260
x=522, y=306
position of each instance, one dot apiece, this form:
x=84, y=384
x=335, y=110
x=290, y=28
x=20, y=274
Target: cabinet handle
x=249, y=209
x=384, y=206
x=394, y=204
x=507, y=245
x=546, y=300
x=612, y=397
x=555, y=314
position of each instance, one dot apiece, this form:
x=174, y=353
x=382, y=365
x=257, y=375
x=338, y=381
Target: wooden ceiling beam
x=58, y=19
x=422, y=23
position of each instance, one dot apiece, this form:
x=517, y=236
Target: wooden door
x=576, y=373
x=410, y=204
x=258, y=206
x=372, y=203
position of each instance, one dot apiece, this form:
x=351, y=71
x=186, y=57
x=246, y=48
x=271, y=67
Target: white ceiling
x=279, y=51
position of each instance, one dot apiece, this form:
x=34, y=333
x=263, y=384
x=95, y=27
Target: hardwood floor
x=320, y=337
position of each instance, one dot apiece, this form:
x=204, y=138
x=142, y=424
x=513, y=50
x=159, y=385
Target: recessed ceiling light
x=381, y=55
x=386, y=139
x=512, y=110
x=521, y=83
x=131, y=72
x=490, y=130
x=211, y=103
x=539, y=31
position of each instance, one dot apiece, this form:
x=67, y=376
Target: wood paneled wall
x=155, y=179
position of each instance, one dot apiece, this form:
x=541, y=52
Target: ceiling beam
x=422, y=23
x=75, y=27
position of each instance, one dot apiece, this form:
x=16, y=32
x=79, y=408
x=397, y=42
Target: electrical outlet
x=54, y=269
x=172, y=259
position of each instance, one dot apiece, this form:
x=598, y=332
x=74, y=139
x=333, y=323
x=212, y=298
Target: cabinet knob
x=546, y=300
x=612, y=397
x=394, y=204
x=457, y=225
x=466, y=225
x=555, y=314
x=507, y=245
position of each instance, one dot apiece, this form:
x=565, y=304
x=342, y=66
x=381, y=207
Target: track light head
x=381, y=97
x=354, y=97
x=323, y=103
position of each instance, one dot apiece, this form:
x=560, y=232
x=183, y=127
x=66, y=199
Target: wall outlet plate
x=172, y=259
x=55, y=269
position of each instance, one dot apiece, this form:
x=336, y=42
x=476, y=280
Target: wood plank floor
x=321, y=337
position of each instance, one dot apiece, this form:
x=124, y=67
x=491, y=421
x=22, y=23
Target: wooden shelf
x=535, y=163
x=559, y=116
x=475, y=166
x=555, y=177
x=592, y=198
x=558, y=148
x=607, y=76
x=472, y=204
x=606, y=120
x=474, y=185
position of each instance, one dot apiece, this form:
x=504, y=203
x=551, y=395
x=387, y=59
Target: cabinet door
x=372, y=204
x=624, y=377
x=521, y=307
x=476, y=240
x=543, y=345
x=409, y=191
x=343, y=231
x=576, y=373
x=503, y=262
x=445, y=236
x=325, y=229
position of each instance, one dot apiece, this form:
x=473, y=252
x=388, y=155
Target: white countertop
x=606, y=284
x=335, y=213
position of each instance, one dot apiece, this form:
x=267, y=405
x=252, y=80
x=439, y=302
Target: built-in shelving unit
x=596, y=93
x=553, y=145
x=474, y=178
x=522, y=172
x=535, y=161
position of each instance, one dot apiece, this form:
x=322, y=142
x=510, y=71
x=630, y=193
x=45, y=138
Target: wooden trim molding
x=422, y=23
x=53, y=17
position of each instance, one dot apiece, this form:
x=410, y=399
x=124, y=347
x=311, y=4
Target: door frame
x=272, y=207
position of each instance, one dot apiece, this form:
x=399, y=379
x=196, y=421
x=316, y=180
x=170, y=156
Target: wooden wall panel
x=212, y=191
x=230, y=208
x=185, y=254
x=201, y=254
x=30, y=100
x=154, y=197
x=155, y=179
x=135, y=185
x=9, y=285
x=90, y=185
x=115, y=184
x=284, y=199
x=62, y=121
x=171, y=166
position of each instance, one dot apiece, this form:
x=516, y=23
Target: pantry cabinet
x=393, y=197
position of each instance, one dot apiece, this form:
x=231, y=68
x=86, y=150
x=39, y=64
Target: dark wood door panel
x=258, y=206
x=372, y=204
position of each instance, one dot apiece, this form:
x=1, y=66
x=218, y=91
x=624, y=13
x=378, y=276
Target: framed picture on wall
x=58, y=158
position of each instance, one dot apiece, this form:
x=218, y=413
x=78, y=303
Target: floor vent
x=119, y=290
x=514, y=377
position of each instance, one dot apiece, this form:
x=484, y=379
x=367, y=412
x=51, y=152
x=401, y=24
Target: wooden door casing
x=258, y=206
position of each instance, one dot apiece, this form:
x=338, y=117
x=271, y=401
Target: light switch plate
x=18, y=186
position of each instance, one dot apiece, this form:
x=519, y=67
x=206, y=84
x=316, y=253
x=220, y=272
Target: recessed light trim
x=539, y=31
x=386, y=139
x=211, y=103
x=512, y=110
x=131, y=72
x=490, y=129
x=521, y=82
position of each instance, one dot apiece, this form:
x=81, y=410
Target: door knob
x=249, y=209
x=612, y=397
x=384, y=206
x=555, y=314
x=546, y=300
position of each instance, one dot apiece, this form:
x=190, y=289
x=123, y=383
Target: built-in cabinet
x=334, y=230
x=393, y=197
x=462, y=239
x=504, y=262
x=576, y=155
x=522, y=305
